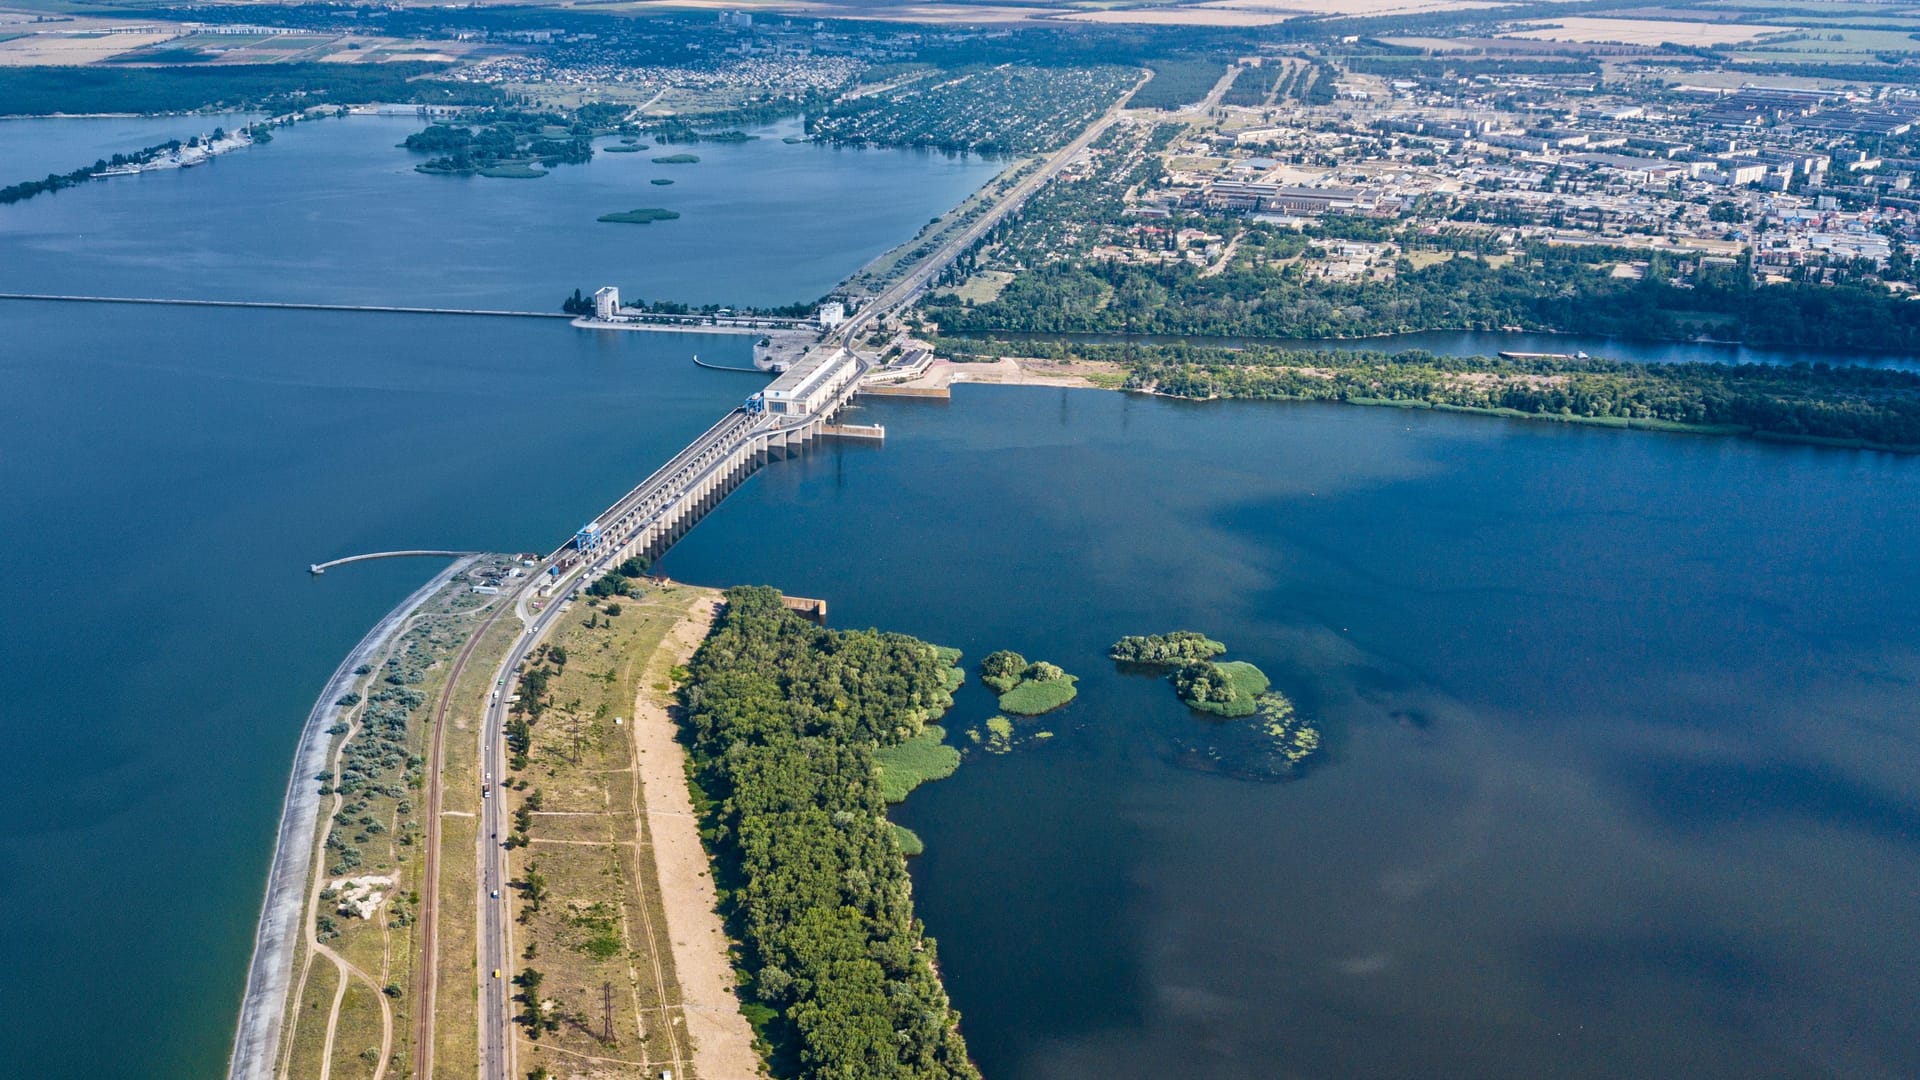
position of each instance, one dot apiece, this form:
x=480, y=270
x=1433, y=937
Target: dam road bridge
x=794, y=409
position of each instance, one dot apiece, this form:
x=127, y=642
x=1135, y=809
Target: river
x=1623, y=747
x=1621, y=724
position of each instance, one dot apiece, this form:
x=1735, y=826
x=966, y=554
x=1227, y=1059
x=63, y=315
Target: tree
x=1002, y=670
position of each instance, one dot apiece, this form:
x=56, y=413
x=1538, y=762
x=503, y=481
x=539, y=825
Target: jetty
x=322, y=567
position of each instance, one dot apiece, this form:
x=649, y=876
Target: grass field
x=599, y=930
x=1035, y=696
x=924, y=757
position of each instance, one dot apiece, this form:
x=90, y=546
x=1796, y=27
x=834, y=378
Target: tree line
x=1856, y=405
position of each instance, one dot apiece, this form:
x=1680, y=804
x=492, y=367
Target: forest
x=1848, y=405
x=784, y=720
x=272, y=88
x=1177, y=82
x=1543, y=288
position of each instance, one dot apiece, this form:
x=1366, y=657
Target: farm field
x=1648, y=31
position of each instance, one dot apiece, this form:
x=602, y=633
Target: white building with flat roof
x=832, y=314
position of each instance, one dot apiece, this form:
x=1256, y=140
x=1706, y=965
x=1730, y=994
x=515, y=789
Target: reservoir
x=1622, y=737
x=168, y=474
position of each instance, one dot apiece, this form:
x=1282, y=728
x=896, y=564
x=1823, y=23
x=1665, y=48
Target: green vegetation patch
x=678, y=159
x=1165, y=650
x=780, y=715
x=1177, y=82
x=1231, y=689
x=513, y=171
x=1003, y=670
x=907, y=765
x=622, y=148
x=643, y=216
x=659, y=181
x=34, y=91
x=909, y=841
x=1035, y=696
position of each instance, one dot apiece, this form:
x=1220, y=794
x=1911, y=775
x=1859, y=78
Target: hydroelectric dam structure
x=793, y=410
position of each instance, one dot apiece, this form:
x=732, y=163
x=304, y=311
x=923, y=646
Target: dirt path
x=722, y=1041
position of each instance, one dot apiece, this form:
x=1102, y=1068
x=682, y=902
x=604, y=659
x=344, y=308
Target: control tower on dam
x=792, y=411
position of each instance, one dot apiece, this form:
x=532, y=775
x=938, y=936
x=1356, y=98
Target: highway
x=496, y=929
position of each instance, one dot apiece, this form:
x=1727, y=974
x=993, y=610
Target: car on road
x=496, y=894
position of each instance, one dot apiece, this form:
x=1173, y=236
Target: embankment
x=263, y=1008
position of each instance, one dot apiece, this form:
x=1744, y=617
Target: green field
x=906, y=766
x=1031, y=697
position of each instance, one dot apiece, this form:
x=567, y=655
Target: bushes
x=1165, y=650
x=1231, y=689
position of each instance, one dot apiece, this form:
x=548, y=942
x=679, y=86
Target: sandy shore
x=722, y=1040
x=1009, y=371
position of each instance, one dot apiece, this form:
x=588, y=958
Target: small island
x=1027, y=689
x=642, y=216
x=1231, y=689
x=677, y=159
x=1165, y=650
x=659, y=181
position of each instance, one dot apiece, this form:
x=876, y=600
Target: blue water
x=332, y=212
x=167, y=474
x=1624, y=770
x=32, y=148
x=1622, y=764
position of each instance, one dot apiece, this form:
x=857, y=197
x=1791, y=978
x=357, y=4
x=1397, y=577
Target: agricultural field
x=1648, y=31
x=1817, y=46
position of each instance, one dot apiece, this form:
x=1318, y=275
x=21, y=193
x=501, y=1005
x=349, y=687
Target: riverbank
x=263, y=1007
x=1864, y=409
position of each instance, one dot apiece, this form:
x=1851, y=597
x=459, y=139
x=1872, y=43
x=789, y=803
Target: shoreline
x=263, y=1005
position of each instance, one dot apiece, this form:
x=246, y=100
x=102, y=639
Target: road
x=496, y=929
x=428, y=967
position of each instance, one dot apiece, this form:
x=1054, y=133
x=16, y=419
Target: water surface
x=332, y=212
x=1623, y=737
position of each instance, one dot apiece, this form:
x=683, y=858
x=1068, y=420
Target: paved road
x=907, y=289
x=496, y=929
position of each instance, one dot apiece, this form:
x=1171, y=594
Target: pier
x=322, y=567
